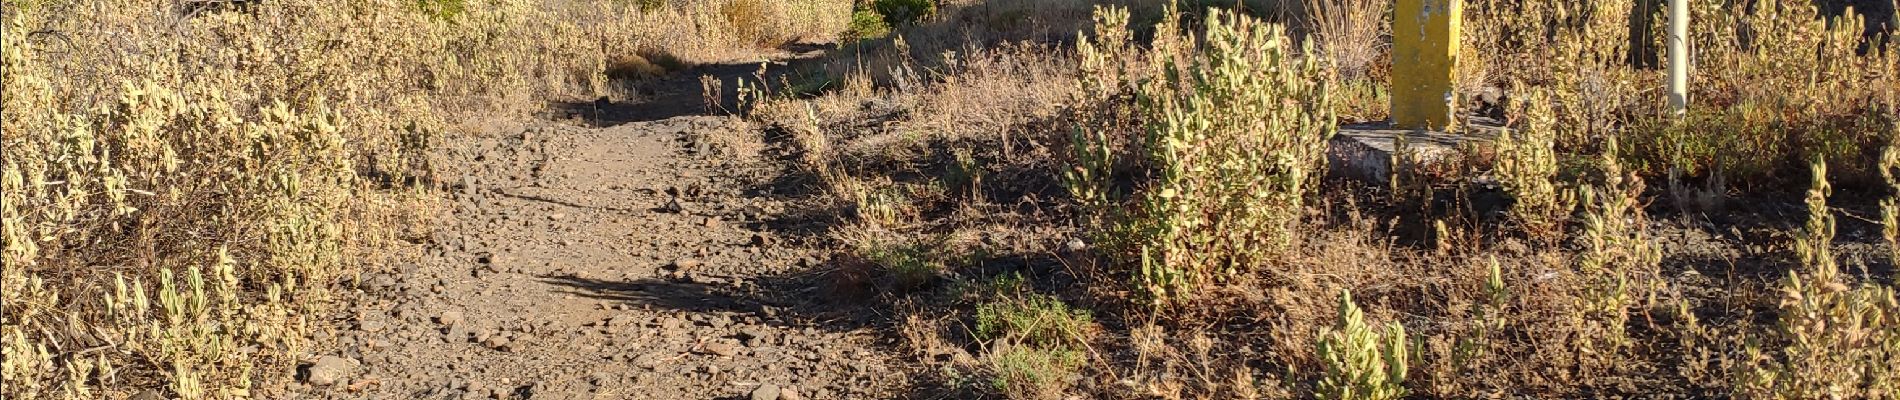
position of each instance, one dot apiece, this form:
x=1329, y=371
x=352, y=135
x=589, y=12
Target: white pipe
x=1678, y=41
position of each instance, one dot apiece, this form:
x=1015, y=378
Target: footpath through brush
x=627, y=261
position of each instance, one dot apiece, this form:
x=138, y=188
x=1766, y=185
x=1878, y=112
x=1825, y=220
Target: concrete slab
x=1364, y=151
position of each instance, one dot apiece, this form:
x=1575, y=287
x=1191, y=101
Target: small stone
x=148, y=394
x=789, y=393
x=497, y=342
x=766, y=392
x=456, y=334
x=649, y=360
x=371, y=325
x=722, y=349
x=476, y=387
x=449, y=318
x=686, y=263
x=622, y=320
x=329, y=370
x=755, y=337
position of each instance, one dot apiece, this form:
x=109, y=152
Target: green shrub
x=1033, y=343
x=909, y=266
x=649, y=5
x=904, y=12
x=1527, y=166
x=867, y=24
x=1618, y=260
x=442, y=10
x=1833, y=340
x=1362, y=364
x=1036, y=319
x=1031, y=373
x=1231, y=136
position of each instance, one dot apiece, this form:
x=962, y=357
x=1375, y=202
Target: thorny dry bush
x=182, y=185
x=1580, y=292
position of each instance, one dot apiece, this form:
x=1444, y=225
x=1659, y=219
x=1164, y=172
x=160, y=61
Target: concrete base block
x=1364, y=151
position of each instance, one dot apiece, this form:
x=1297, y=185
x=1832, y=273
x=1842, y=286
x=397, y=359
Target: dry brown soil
x=637, y=252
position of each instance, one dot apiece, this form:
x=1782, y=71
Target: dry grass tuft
x=183, y=187
x=1558, y=282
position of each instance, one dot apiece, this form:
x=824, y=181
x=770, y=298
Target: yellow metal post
x=1425, y=37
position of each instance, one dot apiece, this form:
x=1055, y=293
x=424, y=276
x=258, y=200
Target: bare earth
x=634, y=261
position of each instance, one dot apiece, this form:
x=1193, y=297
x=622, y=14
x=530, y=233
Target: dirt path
x=631, y=261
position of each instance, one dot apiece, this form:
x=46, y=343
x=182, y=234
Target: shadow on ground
x=681, y=93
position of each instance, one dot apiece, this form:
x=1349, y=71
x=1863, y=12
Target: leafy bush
x=1527, y=166
x=1034, y=343
x=1618, y=261
x=1023, y=372
x=910, y=266
x=1231, y=135
x=1362, y=364
x=442, y=10
x=1833, y=339
x=866, y=24
x=1036, y=319
x=904, y=12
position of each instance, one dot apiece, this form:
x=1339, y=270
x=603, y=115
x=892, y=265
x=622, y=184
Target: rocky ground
x=646, y=259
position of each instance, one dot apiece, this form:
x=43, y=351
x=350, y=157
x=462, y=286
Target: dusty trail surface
x=633, y=261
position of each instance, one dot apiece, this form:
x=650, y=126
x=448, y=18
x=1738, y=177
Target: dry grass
x=1353, y=34
x=193, y=172
x=183, y=186
x=1566, y=287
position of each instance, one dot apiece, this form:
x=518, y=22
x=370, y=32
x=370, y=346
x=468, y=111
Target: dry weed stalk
x=1351, y=33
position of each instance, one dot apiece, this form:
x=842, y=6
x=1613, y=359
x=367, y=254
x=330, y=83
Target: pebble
x=456, y=334
x=756, y=337
x=686, y=263
x=722, y=349
x=449, y=318
x=371, y=325
x=329, y=370
x=498, y=342
x=766, y=392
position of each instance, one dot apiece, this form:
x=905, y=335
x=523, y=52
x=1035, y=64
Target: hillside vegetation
x=1042, y=199
x=184, y=181
x=1147, y=213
